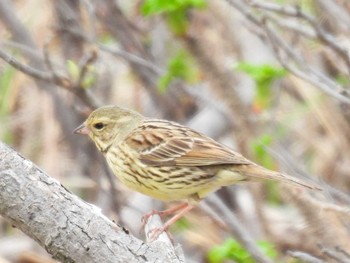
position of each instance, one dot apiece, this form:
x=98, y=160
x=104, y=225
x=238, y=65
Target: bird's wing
x=161, y=143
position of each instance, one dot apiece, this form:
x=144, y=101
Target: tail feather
x=259, y=172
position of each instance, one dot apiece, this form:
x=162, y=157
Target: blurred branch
x=20, y=34
x=118, y=52
x=237, y=228
x=320, y=33
x=343, y=252
x=132, y=58
x=51, y=77
x=121, y=28
x=28, y=70
x=68, y=15
x=305, y=257
x=286, y=53
x=83, y=56
x=132, y=51
x=318, y=216
x=23, y=49
x=338, y=12
x=223, y=82
x=292, y=25
x=336, y=254
x=293, y=166
x=68, y=228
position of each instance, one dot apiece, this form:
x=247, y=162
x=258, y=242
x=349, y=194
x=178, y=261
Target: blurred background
x=267, y=78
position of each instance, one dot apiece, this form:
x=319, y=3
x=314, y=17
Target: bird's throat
x=105, y=150
x=103, y=147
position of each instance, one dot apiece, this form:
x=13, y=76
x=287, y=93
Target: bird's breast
x=167, y=183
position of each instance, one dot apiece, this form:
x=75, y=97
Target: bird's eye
x=98, y=125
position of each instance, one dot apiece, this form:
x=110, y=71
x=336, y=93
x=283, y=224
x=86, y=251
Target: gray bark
x=70, y=229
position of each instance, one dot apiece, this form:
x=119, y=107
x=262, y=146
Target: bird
x=168, y=161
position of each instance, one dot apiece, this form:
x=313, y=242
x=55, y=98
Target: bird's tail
x=258, y=172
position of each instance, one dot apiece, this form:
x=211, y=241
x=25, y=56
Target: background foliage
x=268, y=78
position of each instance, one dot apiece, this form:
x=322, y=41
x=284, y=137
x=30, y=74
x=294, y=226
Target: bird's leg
x=184, y=208
x=163, y=213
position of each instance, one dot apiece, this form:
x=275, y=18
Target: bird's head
x=108, y=125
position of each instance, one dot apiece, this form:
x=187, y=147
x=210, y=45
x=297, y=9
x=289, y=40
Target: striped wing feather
x=161, y=143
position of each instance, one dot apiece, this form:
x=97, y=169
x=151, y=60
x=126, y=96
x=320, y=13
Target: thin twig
x=292, y=25
x=118, y=52
x=75, y=88
x=237, y=228
x=307, y=73
x=305, y=257
x=342, y=251
x=132, y=58
x=320, y=33
x=22, y=48
x=50, y=77
x=84, y=66
x=28, y=70
x=333, y=254
x=281, y=48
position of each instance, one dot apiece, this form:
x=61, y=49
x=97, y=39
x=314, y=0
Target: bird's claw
x=145, y=218
x=154, y=234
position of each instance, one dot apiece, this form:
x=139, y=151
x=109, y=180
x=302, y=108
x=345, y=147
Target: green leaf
x=164, y=82
x=175, y=12
x=153, y=7
x=107, y=39
x=181, y=224
x=268, y=249
x=232, y=250
x=5, y=86
x=89, y=80
x=73, y=70
x=182, y=67
x=178, y=22
x=263, y=157
x=264, y=75
x=259, y=150
x=342, y=79
x=6, y=78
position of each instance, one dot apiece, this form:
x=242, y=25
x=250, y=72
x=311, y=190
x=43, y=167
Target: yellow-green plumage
x=164, y=183
x=166, y=160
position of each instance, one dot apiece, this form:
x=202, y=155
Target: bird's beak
x=82, y=129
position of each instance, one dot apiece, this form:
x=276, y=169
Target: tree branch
x=70, y=229
x=28, y=70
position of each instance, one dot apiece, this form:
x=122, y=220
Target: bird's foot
x=162, y=213
x=182, y=209
x=145, y=217
x=156, y=232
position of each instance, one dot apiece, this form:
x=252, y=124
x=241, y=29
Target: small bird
x=169, y=161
